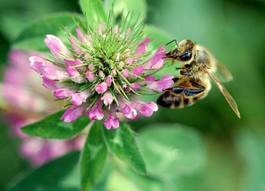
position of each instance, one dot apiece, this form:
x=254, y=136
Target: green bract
x=52, y=127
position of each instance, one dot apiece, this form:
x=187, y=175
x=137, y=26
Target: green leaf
x=93, y=157
x=53, y=127
x=172, y=148
x=36, y=44
x=250, y=145
x=122, y=144
x=58, y=175
x=123, y=7
x=175, y=160
x=12, y=24
x=52, y=24
x=94, y=11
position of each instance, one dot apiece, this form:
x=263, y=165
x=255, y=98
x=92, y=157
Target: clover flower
x=103, y=73
x=27, y=101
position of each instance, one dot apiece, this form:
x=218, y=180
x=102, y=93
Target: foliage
x=52, y=127
x=93, y=157
x=179, y=150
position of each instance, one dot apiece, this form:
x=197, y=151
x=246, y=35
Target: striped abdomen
x=185, y=92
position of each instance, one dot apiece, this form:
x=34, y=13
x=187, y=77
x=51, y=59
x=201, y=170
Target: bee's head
x=184, y=50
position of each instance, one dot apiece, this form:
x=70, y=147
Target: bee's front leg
x=185, y=72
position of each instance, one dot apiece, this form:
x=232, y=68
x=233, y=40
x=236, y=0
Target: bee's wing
x=223, y=73
x=230, y=100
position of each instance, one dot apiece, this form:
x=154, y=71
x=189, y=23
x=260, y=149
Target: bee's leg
x=178, y=90
x=192, y=92
x=196, y=89
x=175, y=79
x=197, y=84
x=187, y=66
x=184, y=72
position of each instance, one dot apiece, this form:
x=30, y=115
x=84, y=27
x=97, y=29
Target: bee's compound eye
x=186, y=56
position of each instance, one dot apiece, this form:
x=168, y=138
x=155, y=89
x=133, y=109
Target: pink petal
x=78, y=142
x=75, y=44
x=157, y=61
x=107, y=98
x=47, y=69
x=160, y=85
x=49, y=84
x=135, y=86
x=79, y=98
x=90, y=76
x=129, y=60
x=96, y=112
x=37, y=64
x=57, y=47
x=20, y=97
x=62, y=93
x=72, y=71
x=147, y=109
x=32, y=149
x=20, y=58
x=82, y=37
x=128, y=111
x=111, y=122
x=150, y=78
x=142, y=46
x=72, y=62
x=125, y=73
x=57, y=148
x=53, y=72
x=109, y=80
x=72, y=113
x=101, y=88
x=138, y=70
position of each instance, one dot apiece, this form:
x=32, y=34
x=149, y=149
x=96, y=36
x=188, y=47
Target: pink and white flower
x=111, y=75
x=107, y=98
x=72, y=113
x=111, y=122
x=160, y=85
x=96, y=112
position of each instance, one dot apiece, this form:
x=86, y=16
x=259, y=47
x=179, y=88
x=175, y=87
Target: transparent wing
x=230, y=100
x=223, y=73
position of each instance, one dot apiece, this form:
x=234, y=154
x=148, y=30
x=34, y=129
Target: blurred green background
x=220, y=152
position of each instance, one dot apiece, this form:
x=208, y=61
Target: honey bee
x=197, y=68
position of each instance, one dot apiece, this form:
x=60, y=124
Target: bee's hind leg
x=193, y=92
x=195, y=89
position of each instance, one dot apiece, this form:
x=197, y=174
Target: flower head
x=103, y=73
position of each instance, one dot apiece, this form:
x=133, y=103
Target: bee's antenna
x=176, y=42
